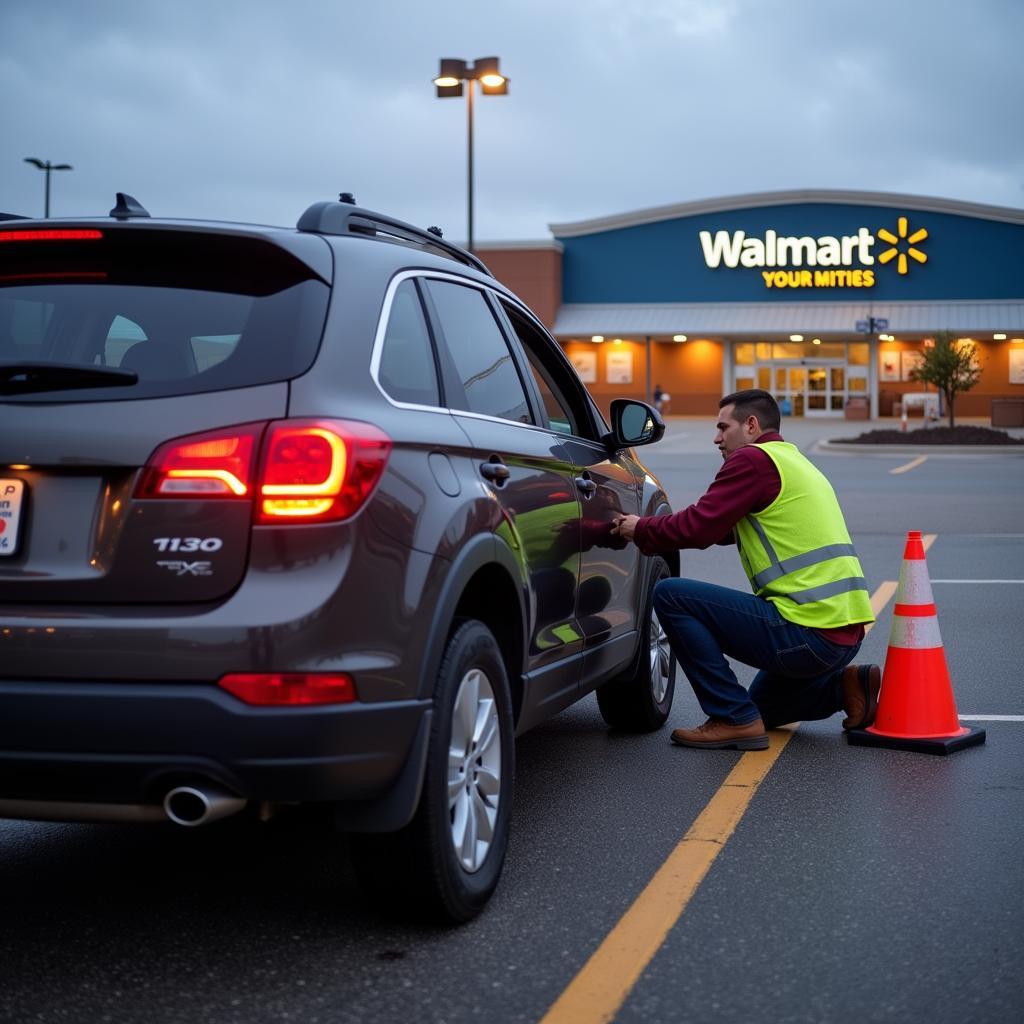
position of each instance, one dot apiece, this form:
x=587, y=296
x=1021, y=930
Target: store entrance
x=806, y=379
x=826, y=390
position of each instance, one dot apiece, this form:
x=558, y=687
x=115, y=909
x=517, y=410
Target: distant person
x=804, y=622
x=659, y=397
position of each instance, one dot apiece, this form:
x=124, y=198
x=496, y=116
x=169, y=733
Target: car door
x=524, y=471
x=608, y=484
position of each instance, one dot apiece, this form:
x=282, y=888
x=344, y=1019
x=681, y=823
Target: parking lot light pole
x=451, y=76
x=45, y=165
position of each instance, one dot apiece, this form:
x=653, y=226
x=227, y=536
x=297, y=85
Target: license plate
x=12, y=497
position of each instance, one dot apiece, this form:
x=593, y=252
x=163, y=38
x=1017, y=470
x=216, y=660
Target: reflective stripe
x=914, y=586
x=804, y=561
x=914, y=631
x=826, y=590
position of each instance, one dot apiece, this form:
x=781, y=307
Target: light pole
x=449, y=81
x=47, y=166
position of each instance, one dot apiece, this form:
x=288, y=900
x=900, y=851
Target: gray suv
x=304, y=516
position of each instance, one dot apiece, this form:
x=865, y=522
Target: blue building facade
x=815, y=295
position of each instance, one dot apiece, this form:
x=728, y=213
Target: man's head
x=743, y=417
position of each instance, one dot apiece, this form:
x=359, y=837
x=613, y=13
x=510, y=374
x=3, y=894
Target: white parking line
x=909, y=465
x=991, y=718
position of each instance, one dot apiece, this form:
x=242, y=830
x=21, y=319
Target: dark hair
x=754, y=402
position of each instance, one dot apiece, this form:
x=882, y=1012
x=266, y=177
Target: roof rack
x=344, y=218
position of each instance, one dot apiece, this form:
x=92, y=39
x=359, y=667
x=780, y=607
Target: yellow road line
x=607, y=978
x=909, y=465
x=604, y=982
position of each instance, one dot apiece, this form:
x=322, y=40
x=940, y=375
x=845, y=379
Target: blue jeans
x=800, y=670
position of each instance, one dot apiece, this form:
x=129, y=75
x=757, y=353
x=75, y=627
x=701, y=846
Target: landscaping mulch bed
x=933, y=435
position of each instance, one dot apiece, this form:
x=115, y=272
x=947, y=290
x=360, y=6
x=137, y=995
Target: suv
x=314, y=515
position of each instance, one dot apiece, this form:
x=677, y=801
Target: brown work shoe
x=861, y=685
x=715, y=734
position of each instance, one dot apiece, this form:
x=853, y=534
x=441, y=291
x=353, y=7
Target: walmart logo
x=902, y=245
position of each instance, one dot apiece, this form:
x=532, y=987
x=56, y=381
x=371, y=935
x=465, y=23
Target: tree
x=951, y=364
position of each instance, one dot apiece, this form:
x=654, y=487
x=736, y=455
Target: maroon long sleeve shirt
x=747, y=482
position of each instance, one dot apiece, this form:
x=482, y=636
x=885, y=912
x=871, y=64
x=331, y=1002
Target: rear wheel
x=640, y=700
x=447, y=861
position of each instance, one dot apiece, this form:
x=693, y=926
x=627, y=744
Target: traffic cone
x=916, y=710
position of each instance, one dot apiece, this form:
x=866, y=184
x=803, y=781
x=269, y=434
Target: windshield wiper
x=24, y=378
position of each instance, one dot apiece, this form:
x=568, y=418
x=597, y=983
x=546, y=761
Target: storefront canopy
x=753, y=320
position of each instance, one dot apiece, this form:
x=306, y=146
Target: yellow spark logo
x=897, y=245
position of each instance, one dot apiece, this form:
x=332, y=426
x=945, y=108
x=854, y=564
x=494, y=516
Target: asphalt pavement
x=858, y=885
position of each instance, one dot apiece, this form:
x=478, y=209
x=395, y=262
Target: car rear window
x=186, y=311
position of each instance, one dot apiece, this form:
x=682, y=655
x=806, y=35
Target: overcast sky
x=252, y=110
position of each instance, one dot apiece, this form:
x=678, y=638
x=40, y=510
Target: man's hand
x=625, y=526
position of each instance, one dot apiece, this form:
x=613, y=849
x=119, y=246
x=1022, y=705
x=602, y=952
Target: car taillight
x=319, y=470
x=309, y=470
x=216, y=464
x=276, y=689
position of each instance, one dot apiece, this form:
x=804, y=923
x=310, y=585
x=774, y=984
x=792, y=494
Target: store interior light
x=999, y=337
x=1017, y=341
x=796, y=337
x=618, y=341
x=679, y=337
x=816, y=341
x=598, y=338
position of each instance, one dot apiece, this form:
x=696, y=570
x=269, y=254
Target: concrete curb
x=827, y=445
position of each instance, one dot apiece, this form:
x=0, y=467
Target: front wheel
x=641, y=699
x=446, y=863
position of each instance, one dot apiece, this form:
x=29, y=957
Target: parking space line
x=977, y=581
x=604, y=982
x=910, y=465
x=601, y=987
x=991, y=718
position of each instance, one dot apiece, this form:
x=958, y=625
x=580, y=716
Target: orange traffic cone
x=916, y=710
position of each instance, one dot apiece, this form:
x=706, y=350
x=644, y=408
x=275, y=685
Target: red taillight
x=310, y=470
x=51, y=235
x=217, y=464
x=319, y=470
x=290, y=688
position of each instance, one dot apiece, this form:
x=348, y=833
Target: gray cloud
x=254, y=110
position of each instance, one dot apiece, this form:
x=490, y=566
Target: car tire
x=641, y=699
x=446, y=863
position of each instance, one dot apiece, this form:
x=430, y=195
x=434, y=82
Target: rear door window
x=486, y=378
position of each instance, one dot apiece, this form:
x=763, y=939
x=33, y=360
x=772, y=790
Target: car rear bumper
x=131, y=743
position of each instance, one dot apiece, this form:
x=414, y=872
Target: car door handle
x=586, y=486
x=495, y=471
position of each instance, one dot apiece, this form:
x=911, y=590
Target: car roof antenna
x=347, y=197
x=434, y=230
x=128, y=207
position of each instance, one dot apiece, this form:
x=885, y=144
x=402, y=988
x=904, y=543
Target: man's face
x=733, y=433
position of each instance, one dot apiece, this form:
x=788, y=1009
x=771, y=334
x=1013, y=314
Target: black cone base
x=942, y=745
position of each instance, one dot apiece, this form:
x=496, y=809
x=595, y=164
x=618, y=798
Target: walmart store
x=825, y=298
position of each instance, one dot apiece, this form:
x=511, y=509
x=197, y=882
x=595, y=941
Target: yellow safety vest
x=797, y=552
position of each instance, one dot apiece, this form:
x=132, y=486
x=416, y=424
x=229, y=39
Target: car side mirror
x=634, y=423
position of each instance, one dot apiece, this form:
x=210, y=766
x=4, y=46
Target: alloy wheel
x=661, y=661
x=474, y=770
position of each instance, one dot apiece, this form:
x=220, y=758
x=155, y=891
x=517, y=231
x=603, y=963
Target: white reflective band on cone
x=914, y=587
x=918, y=632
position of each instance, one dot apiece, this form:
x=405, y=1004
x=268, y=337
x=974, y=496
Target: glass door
x=826, y=390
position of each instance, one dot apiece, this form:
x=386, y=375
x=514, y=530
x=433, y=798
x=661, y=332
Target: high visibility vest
x=797, y=552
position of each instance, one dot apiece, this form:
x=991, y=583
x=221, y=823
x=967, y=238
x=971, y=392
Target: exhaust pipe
x=192, y=806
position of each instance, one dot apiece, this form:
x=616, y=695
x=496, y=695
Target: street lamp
x=449, y=81
x=47, y=166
